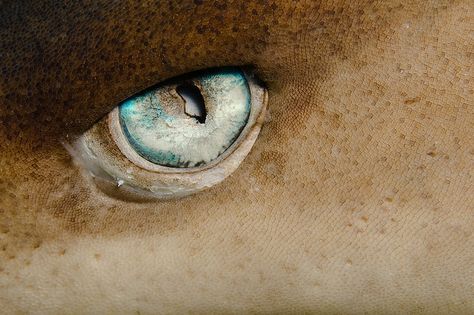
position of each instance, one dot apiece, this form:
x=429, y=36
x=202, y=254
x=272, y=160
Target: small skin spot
x=289, y=268
x=426, y=195
x=335, y=121
x=389, y=199
x=410, y=101
x=431, y=153
x=97, y=256
x=62, y=252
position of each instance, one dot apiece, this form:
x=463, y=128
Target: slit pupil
x=194, y=105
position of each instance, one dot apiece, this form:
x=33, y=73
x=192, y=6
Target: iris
x=188, y=122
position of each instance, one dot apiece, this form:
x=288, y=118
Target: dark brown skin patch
x=357, y=196
x=77, y=71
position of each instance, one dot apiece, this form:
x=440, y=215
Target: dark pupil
x=194, y=102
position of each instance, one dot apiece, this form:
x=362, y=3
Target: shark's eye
x=181, y=136
x=190, y=123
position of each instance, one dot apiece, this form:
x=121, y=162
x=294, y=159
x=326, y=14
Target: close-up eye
x=178, y=137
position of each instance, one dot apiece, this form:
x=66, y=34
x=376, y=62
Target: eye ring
x=257, y=113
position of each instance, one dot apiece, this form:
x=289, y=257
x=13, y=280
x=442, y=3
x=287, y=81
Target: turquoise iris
x=159, y=130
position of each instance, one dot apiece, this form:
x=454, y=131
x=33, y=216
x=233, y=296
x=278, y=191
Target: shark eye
x=190, y=123
x=176, y=138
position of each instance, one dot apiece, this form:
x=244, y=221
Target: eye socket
x=176, y=138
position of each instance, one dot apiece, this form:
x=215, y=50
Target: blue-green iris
x=158, y=128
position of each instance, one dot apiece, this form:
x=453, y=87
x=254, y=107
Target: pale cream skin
x=356, y=197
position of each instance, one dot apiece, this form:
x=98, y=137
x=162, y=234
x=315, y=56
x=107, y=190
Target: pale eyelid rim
x=258, y=95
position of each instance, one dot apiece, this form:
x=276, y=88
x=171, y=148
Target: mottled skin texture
x=357, y=197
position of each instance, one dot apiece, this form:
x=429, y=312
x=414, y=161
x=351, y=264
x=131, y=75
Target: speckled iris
x=158, y=129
